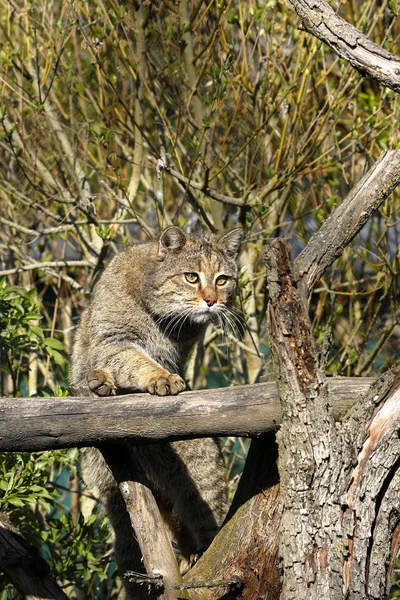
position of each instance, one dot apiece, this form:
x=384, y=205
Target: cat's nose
x=210, y=300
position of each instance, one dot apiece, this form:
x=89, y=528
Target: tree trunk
x=339, y=484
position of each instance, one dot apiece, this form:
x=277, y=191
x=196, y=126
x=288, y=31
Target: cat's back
x=124, y=274
x=115, y=303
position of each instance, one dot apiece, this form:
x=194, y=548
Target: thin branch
x=207, y=191
x=53, y=264
x=63, y=228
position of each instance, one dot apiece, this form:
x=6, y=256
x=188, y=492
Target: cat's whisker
x=234, y=323
x=186, y=316
x=176, y=321
x=237, y=313
x=171, y=317
x=224, y=325
x=161, y=318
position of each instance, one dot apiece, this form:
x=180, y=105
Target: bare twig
x=53, y=264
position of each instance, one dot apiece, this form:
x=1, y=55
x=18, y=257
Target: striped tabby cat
x=151, y=304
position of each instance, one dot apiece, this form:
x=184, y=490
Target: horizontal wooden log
x=28, y=424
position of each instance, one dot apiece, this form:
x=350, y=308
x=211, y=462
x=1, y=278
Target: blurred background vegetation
x=120, y=118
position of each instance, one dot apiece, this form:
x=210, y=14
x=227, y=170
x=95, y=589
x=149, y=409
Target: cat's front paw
x=166, y=385
x=101, y=382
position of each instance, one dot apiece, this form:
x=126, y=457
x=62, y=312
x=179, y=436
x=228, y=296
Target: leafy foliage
x=20, y=333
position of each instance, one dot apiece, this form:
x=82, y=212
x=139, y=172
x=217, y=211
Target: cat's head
x=192, y=277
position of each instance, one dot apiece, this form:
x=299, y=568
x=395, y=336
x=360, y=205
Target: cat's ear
x=231, y=241
x=171, y=238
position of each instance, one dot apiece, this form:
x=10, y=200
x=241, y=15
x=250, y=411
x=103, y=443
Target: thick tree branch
x=248, y=410
x=146, y=521
x=24, y=566
x=340, y=528
x=319, y=19
x=371, y=489
x=348, y=218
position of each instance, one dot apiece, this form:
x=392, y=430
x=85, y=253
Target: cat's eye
x=221, y=280
x=192, y=277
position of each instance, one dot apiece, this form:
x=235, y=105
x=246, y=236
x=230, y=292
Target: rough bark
x=319, y=19
x=369, y=491
x=307, y=431
x=29, y=424
x=24, y=567
x=339, y=483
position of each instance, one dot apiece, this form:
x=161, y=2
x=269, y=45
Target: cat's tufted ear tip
x=169, y=239
x=230, y=242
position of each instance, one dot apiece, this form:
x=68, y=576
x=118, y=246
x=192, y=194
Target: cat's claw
x=187, y=564
x=169, y=385
x=101, y=382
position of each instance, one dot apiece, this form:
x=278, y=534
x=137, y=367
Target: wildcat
x=151, y=304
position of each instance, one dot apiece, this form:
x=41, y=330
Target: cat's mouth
x=205, y=314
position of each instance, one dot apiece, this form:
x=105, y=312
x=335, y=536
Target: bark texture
x=306, y=436
x=319, y=19
x=339, y=482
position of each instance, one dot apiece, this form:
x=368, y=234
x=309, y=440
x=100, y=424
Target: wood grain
x=28, y=424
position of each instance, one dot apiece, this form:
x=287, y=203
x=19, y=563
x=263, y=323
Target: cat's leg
x=203, y=516
x=133, y=369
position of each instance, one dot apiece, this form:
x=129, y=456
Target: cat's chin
x=202, y=317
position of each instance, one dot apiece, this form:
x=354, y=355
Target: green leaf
x=15, y=501
x=53, y=343
x=56, y=356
